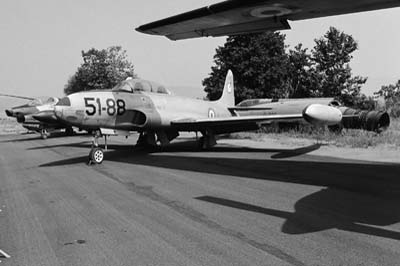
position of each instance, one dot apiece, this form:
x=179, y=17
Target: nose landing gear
x=96, y=154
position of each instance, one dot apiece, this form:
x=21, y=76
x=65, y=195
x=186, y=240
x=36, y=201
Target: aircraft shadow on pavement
x=124, y=152
x=329, y=208
x=189, y=146
x=375, y=202
x=33, y=136
x=380, y=179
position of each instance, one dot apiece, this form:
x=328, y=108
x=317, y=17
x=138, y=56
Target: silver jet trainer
x=38, y=115
x=148, y=108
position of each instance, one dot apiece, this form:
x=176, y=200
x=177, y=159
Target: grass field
x=352, y=138
x=10, y=126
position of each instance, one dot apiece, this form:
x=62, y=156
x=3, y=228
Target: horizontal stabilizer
x=17, y=96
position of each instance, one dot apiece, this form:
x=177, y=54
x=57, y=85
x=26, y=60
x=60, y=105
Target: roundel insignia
x=211, y=113
x=270, y=11
x=229, y=87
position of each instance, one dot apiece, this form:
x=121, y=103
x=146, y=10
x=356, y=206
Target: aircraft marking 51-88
x=148, y=108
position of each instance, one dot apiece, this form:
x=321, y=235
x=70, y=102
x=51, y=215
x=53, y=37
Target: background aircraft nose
x=9, y=112
x=58, y=111
x=61, y=105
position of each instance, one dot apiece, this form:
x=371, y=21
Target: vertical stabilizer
x=228, y=94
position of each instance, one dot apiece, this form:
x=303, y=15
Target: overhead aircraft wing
x=231, y=124
x=16, y=96
x=239, y=16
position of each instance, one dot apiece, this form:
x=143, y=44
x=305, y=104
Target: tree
x=263, y=69
x=391, y=95
x=259, y=64
x=304, y=80
x=331, y=55
x=101, y=69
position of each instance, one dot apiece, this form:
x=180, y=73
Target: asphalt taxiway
x=228, y=206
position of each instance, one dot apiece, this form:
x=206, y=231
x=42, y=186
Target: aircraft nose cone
x=9, y=112
x=45, y=117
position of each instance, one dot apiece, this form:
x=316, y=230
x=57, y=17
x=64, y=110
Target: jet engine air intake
x=138, y=118
x=377, y=121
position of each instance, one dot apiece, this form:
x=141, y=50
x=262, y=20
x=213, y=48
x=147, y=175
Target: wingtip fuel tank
x=319, y=114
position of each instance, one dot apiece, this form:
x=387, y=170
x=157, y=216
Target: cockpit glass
x=138, y=87
x=35, y=102
x=64, y=102
x=124, y=86
x=162, y=90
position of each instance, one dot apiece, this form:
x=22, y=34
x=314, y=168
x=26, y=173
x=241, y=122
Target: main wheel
x=96, y=155
x=43, y=134
x=69, y=131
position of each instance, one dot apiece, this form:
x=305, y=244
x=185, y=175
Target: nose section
x=69, y=111
x=45, y=117
x=58, y=112
x=59, y=108
x=20, y=118
x=9, y=112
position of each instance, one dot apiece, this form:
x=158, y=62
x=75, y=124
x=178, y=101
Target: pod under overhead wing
x=239, y=16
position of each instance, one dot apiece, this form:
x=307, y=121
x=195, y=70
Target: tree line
x=264, y=67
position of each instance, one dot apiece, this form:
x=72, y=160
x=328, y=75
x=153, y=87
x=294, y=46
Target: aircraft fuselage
x=134, y=111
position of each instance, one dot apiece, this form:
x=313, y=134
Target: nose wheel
x=96, y=154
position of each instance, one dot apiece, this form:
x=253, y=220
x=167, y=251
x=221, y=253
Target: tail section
x=228, y=94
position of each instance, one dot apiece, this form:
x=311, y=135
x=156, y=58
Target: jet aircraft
x=239, y=16
x=147, y=107
x=37, y=115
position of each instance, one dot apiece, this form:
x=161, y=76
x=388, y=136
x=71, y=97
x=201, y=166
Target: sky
x=41, y=43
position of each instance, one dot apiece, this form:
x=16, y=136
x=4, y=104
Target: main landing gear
x=69, y=131
x=207, y=141
x=96, y=154
x=44, y=133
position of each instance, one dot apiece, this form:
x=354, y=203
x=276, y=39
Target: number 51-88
x=93, y=106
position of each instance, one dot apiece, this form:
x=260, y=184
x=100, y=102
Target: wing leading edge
x=237, y=16
x=231, y=124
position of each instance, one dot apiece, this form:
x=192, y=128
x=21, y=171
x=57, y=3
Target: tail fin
x=228, y=94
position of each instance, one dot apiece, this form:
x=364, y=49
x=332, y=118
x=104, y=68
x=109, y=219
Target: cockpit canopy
x=139, y=85
x=43, y=100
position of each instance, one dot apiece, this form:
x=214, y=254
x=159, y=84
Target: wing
x=238, y=16
x=231, y=124
x=16, y=96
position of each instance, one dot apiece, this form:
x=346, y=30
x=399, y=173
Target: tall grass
x=10, y=126
x=354, y=138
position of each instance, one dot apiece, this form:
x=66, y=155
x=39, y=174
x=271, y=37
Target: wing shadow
x=328, y=209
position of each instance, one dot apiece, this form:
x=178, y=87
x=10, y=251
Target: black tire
x=337, y=129
x=96, y=155
x=69, y=131
x=43, y=133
